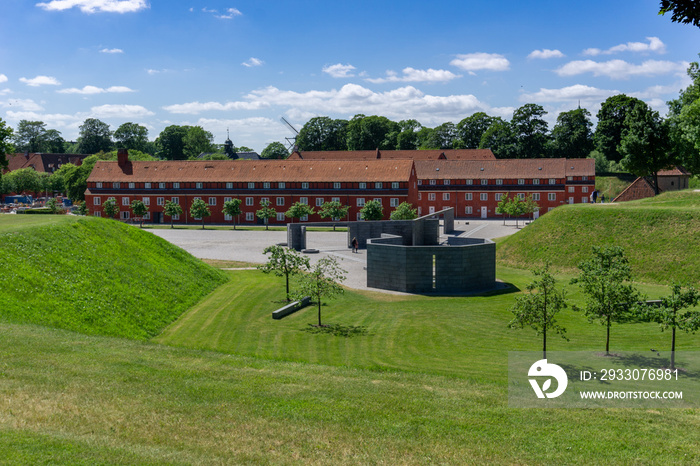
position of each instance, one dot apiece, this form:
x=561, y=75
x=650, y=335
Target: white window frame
x=499, y=182
x=433, y=182
x=125, y=201
x=280, y=216
x=498, y=196
x=378, y=185
x=469, y=182
x=305, y=185
x=251, y=185
x=535, y=181
x=584, y=189
x=160, y=201
x=161, y=185
x=175, y=200
x=266, y=185
x=280, y=201
x=394, y=185
x=98, y=184
x=176, y=185
x=535, y=196
x=281, y=185
x=394, y=202
x=336, y=185
x=551, y=196
x=249, y=217
x=212, y=200
x=468, y=196
x=431, y=196
x=146, y=201
x=304, y=200
x=468, y=210
x=319, y=201
x=552, y=181
x=363, y=185
x=445, y=196
x=132, y=185
x=484, y=196
x=249, y=201
x=521, y=181
x=116, y=185
x=147, y=186
x=199, y=185
x=484, y=182
x=97, y=214
x=229, y=185
x=124, y=215
x=96, y=200
x=360, y=202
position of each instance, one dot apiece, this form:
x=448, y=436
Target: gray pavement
x=248, y=246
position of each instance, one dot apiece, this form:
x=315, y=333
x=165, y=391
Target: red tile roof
x=503, y=168
x=431, y=154
x=42, y=162
x=639, y=189
x=253, y=171
x=675, y=171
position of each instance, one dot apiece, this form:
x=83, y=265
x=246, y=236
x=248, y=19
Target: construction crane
x=292, y=142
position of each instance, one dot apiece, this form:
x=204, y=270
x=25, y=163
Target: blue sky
x=242, y=65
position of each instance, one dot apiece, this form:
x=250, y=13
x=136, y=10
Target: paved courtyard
x=248, y=246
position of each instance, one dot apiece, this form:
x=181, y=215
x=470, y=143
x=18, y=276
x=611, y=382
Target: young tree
x=5, y=145
x=503, y=207
x=110, y=208
x=298, y=210
x=172, y=209
x=139, y=209
x=372, y=210
x=404, y=211
x=284, y=262
x=333, y=210
x=233, y=208
x=265, y=212
x=539, y=307
x=322, y=281
x=52, y=205
x=199, y=209
x=131, y=136
x=82, y=208
x=604, y=279
x=675, y=313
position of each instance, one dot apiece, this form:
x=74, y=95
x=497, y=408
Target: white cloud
x=24, y=105
x=545, y=54
x=194, y=108
x=89, y=90
x=52, y=120
x=230, y=14
x=252, y=61
x=111, y=51
x=5, y=91
x=620, y=69
x=654, y=45
x=414, y=75
x=95, y=6
x=40, y=81
x=339, y=70
x=570, y=93
x=120, y=111
x=3, y=78
x=481, y=61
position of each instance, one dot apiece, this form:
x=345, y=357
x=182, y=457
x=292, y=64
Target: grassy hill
x=660, y=236
x=95, y=276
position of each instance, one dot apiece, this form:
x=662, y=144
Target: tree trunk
x=319, y=311
x=607, y=340
x=673, y=342
x=287, y=278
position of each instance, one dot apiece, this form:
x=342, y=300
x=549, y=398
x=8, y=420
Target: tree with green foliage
x=503, y=207
x=677, y=311
x=501, y=139
x=139, y=209
x=75, y=178
x=645, y=144
x=52, y=205
x=441, y=137
x=94, y=137
x=81, y=208
x=6, y=146
x=172, y=209
x=299, y=210
x=539, y=307
x=322, y=282
x=170, y=143
x=199, y=210
x=323, y=133
x=472, y=128
x=233, y=208
x=407, y=138
x=265, y=213
x=372, y=132
x=605, y=280
x=684, y=122
x=611, y=125
x=372, y=210
x=110, y=208
x=23, y=181
x=284, y=262
x=32, y=136
x=197, y=141
x=530, y=131
x=404, y=211
x=683, y=11
x=131, y=136
x=275, y=150
x=333, y=210
x=572, y=136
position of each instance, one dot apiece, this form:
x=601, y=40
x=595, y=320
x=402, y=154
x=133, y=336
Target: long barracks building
x=430, y=180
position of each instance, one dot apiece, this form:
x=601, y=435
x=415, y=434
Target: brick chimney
x=122, y=157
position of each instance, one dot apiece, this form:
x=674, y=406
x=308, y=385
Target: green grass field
x=423, y=381
x=660, y=236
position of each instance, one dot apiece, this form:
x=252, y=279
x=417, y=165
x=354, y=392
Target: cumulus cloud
x=41, y=81
x=620, y=69
x=414, y=75
x=545, y=54
x=481, y=61
x=230, y=13
x=111, y=51
x=120, y=111
x=252, y=61
x=654, y=45
x=3, y=78
x=89, y=90
x=95, y=6
x=5, y=91
x=23, y=105
x=339, y=70
x=194, y=108
x=570, y=93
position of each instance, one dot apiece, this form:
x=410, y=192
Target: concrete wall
x=426, y=269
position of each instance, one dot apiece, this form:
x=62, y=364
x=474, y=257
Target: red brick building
x=429, y=154
x=47, y=163
x=281, y=182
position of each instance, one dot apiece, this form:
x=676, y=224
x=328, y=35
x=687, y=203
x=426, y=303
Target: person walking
x=354, y=244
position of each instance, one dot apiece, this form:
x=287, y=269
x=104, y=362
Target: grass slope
x=660, y=236
x=95, y=276
x=70, y=398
